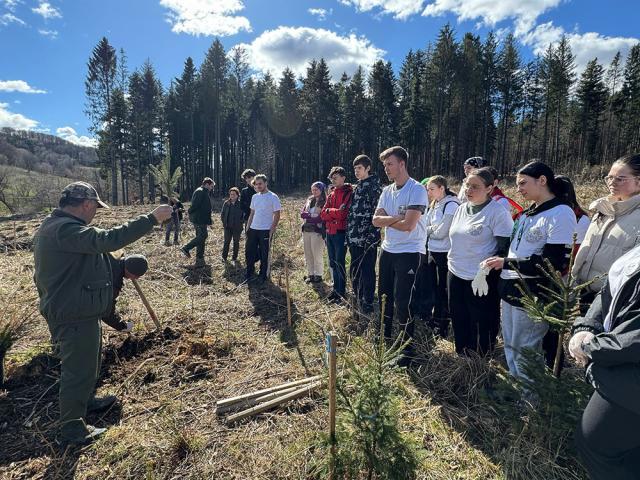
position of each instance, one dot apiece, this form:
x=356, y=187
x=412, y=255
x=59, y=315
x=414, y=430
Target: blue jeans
x=337, y=251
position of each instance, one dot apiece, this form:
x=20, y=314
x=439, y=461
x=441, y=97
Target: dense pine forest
x=456, y=98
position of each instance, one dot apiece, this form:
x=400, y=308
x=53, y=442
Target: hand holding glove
x=575, y=347
x=479, y=284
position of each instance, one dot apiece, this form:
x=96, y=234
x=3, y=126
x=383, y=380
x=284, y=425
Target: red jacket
x=336, y=209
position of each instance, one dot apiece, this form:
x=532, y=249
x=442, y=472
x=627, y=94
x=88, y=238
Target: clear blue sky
x=44, y=45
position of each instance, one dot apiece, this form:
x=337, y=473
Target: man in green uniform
x=74, y=280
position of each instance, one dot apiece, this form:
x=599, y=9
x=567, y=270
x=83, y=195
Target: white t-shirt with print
x=473, y=237
x=504, y=203
x=581, y=228
x=395, y=201
x=435, y=215
x=555, y=226
x=265, y=205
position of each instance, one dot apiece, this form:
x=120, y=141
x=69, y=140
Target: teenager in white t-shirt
x=262, y=223
x=543, y=231
x=444, y=204
x=400, y=213
x=480, y=229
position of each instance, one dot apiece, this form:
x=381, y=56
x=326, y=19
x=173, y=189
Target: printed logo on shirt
x=534, y=235
x=411, y=272
x=475, y=230
x=402, y=209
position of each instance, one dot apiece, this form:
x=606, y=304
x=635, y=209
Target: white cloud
x=400, y=9
x=295, y=47
x=19, y=86
x=70, y=135
x=16, y=121
x=53, y=34
x=490, y=12
x=585, y=46
x=8, y=18
x=47, y=11
x=321, y=13
x=206, y=17
x=11, y=4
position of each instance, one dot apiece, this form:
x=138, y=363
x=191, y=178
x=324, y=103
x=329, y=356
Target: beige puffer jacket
x=614, y=230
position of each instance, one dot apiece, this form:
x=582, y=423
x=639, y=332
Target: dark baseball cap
x=84, y=191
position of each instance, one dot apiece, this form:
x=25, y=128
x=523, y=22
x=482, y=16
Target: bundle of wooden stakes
x=260, y=401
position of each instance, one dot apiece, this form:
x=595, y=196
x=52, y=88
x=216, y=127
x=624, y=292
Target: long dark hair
x=566, y=192
x=538, y=169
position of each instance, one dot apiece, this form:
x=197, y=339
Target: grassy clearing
x=221, y=339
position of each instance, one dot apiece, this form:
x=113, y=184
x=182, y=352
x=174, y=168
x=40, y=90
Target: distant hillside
x=43, y=153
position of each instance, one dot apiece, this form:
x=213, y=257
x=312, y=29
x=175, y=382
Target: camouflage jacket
x=360, y=229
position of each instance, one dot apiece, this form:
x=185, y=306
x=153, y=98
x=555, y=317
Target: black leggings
x=607, y=440
x=440, y=271
x=474, y=318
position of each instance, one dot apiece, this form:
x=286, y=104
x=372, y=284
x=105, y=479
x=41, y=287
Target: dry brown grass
x=222, y=338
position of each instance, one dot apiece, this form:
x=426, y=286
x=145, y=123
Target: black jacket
x=200, y=208
x=614, y=368
x=232, y=215
x=360, y=229
x=245, y=201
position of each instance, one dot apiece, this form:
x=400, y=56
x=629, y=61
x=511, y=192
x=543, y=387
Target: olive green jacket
x=72, y=270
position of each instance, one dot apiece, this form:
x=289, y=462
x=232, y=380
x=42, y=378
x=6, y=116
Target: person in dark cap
x=73, y=276
x=470, y=164
x=131, y=267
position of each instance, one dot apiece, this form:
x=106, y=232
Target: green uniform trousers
x=78, y=346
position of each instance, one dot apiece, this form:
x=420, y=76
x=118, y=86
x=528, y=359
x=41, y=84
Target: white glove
x=479, y=284
x=129, y=327
x=575, y=347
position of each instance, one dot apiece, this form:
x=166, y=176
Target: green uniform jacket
x=72, y=270
x=200, y=208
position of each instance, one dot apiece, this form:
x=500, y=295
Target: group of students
x=463, y=257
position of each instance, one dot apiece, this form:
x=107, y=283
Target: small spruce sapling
x=369, y=443
x=558, y=303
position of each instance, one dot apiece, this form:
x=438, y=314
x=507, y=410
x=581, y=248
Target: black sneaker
x=98, y=404
x=316, y=279
x=185, y=252
x=92, y=434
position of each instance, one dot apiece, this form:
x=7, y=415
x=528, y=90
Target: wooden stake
x=302, y=392
x=331, y=353
x=152, y=314
x=259, y=393
x=254, y=401
x=286, y=286
x=557, y=363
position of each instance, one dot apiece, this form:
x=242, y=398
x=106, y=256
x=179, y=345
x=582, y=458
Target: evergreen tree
x=99, y=85
x=591, y=96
